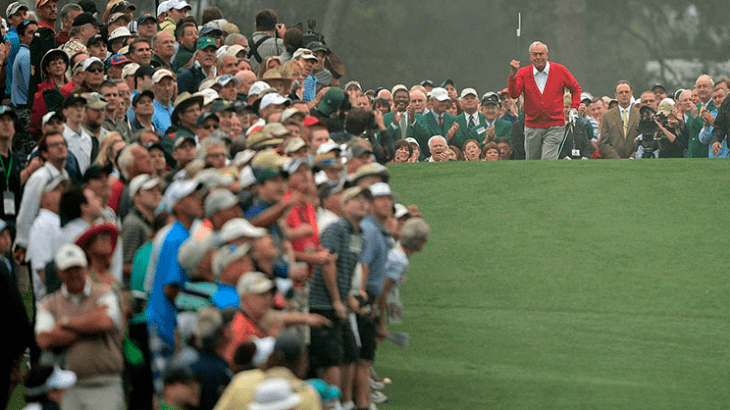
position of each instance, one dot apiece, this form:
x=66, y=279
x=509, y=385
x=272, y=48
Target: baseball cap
x=178, y=190
x=129, y=69
x=666, y=106
x=304, y=53
x=273, y=99
x=219, y=200
x=212, y=179
x=227, y=254
x=413, y=140
x=257, y=88
x=85, y=18
x=192, y=252
x=331, y=101
x=160, y=74
x=352, y=192
x=117, y=59
x=118, y=15
x=383, y=189
x=69, y=255
x=164, y=7
x=318, y=46
x=294, y=145
x=240, y=228
x=586, y=96
x=138, y=96
x=205, y=42
x=440, y=94
x=468, y=91
x=224, y=79
x=179, y=5
x=89, y=61
x=490, y=98
x=72, y=99
x=142, y=182
x=95, y=101
x=253, y=282
x=353, y=83
x=659, y=86
x=50, y=115
x=14, y=8
x=4, y=109
x=143, y=18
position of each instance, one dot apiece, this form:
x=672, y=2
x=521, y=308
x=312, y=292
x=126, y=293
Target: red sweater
x=546, y=109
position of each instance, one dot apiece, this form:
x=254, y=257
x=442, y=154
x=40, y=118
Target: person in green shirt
x=187, y=35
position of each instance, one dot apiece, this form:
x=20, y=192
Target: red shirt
x=243, y=329
x=543, y=110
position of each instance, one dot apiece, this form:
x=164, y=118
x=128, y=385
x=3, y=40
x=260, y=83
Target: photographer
x=661, y=135
x=267, y=40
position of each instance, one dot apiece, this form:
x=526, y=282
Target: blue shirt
x=130, y=112
x=161, y=313
x=14, y=39
x=374, y=253
x=310, y=88
x=225, y=297
x=161, y=119
x=21, y=75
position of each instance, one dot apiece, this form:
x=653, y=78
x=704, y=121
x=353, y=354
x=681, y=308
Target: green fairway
x=565, y=285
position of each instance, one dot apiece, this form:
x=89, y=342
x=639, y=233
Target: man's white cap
x=129, y=69
x=273, y=99
x=305, y=53
x=179, y=5
x=440, y=94
x=144, y=182
x=413, y=140
x=219, y=200
x=240, y=228
x=69, y=255
x=253, y=282
x=383, y=189
x=227, y=254
x=246, y=178
x=467, y=91
x=178, y=190
x=164, y=7
x=257, y=88
x=160, y=74
x=48, y=117
x=243, y=157
x=89, y=61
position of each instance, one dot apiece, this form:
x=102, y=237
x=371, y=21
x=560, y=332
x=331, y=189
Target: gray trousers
x=543, y=143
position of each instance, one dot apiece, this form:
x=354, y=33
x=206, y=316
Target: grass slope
x=565, y=285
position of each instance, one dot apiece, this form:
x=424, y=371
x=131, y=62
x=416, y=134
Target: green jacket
x=183, y=57
x=502, y=128
x=695, y=147
x=396, y=131
x=427, y=126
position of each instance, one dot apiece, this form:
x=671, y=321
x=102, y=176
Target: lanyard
x=7, y=170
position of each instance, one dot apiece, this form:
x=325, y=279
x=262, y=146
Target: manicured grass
x=565, y=285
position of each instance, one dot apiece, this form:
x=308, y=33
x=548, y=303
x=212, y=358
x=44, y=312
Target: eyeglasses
x=209, y=126
x=56, y=144
x=95, y=70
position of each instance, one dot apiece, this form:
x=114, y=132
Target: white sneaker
x=348, y=406
x=377, y=397
x=376, y=385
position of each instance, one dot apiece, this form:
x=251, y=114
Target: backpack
x=43, y=40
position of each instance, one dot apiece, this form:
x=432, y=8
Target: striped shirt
x=341, y=238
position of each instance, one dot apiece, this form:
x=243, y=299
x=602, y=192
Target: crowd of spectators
x=203, y=214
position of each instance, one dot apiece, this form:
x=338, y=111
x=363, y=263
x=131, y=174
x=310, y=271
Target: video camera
x=311, y=34
x=647, y=128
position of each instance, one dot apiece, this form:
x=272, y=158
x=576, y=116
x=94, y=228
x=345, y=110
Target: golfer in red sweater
x=543, y=84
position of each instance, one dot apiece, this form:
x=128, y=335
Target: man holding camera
x=661, y=133
x=267, y=40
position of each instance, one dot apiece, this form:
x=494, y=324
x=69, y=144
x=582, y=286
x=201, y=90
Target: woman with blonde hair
x=268, y=64
x=293, y=69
